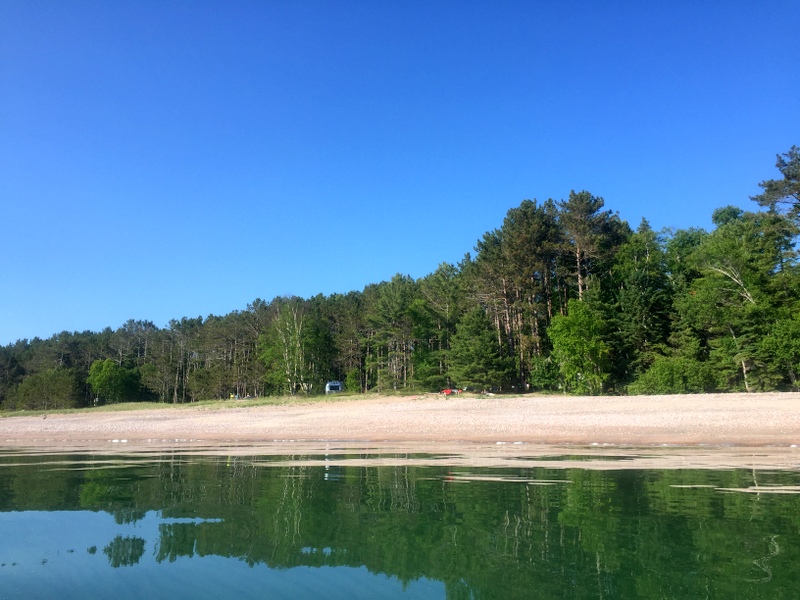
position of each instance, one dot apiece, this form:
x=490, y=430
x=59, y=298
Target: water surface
x=180, y=525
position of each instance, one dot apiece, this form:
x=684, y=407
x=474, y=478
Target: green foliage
x=726, y=214
x=209, y=382
x=579, y=350
x=284, y=350
x=743, y=275
x=50, y=389
x=434, y=313
x=348, y=335
x=544, y=373
x=112, y=383
x=781, y=347
x=592, y=235
x=519, y=277
x=390, y=337
x=783, y=193
x=678, y=251
x=675, y=375
x=638, y=303
x=476, y=358
x=352, y=381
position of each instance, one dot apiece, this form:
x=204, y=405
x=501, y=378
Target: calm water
x=179, y=526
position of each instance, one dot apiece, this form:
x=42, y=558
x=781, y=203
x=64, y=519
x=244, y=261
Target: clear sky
x=171, y=158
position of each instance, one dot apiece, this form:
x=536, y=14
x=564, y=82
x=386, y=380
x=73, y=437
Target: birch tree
x=284, y=349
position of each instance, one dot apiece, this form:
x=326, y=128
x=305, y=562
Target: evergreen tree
x=518, y=276
x=434, y=314
x=476, y=359
x=591, y=234
x=638, y=303
x=781, y=347
x=349, y=334
x=783, y=194
x=391, y=341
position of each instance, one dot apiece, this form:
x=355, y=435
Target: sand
x=511, y=428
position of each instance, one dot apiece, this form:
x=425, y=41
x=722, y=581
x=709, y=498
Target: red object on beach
x=447, y=392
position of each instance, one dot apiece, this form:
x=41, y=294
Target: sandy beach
x=711, y=419
x=723, y=424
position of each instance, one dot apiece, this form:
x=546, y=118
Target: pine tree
x=476, y=359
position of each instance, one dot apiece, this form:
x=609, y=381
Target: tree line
x=563, y=296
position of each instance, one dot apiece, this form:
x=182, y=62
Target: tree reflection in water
x=124, y=551
x=506, y=533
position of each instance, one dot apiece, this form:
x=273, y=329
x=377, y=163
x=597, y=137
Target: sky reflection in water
x=183, y=526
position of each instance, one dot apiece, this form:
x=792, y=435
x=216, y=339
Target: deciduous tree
x=284, y=349
x=112, y=383
x=579, y=350
x=53, y=388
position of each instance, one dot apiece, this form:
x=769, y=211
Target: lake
x=353, y=524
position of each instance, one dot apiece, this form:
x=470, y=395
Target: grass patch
x=203, y=404
x=251, y=402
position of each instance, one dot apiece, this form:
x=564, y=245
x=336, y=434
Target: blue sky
x=173, y=158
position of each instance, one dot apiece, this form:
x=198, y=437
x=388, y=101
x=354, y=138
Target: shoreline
x=677, y=431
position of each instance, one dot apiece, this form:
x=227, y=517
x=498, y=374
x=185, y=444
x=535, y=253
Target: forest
x=564, y=296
